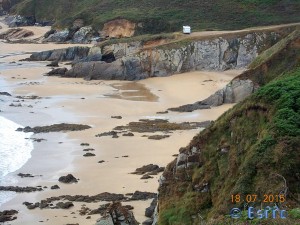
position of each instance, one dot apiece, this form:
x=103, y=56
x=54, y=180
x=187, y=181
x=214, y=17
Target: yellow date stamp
x=254, y=198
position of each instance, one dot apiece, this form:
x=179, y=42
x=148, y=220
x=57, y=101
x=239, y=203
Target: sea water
x=15, y=151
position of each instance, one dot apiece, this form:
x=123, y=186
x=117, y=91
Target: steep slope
x=251, y=149
x=157, y=16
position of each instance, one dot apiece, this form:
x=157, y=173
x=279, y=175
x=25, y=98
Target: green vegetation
x=261, y=136
x=158, y=16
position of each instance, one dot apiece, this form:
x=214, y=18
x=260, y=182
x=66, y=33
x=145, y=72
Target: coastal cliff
x=135, y=60
x=251, y=149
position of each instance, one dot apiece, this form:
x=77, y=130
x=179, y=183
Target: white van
x=186, y=29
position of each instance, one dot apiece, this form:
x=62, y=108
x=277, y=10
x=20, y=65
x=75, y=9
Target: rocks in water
x=53, y=63
x=5, y=93
x=8, y=215
x=65, y=54
x=116, y=117
x=64, y=205
x=57, y=72
x=55, y=128
x=158, y=137
x=68, y=179
x=20, y=189
x=156, y=125
x=54, y=187
x=89, y=154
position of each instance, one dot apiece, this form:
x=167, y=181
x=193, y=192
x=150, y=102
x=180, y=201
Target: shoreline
x=78, y=101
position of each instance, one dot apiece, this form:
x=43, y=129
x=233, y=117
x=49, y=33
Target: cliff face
x=261, y=71
x=251, y=149
x=134, y=61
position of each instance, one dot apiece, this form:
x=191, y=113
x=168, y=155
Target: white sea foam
x=15, y=151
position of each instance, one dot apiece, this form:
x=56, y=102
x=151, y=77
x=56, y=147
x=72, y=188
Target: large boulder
x=83, y=35
x=58, y=36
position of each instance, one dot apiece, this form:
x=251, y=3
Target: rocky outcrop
x=133, y=62
x=257, y=75
x=54, y=128
x=8, y=215
x=73, y=35
x=16, y=33
x=20, y=189
x=68, y=179
x=17, y=20
x=65, y=54
x=236, y=91
x=117, y=214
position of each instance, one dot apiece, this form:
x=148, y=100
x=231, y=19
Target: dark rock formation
x=68, y=179
x=55, y=187
x=146, y=176
x=151, y=168
x=139, y=195
x=129, y=134
x=57, y=72
x=16, y=33
x=89, y=154
x=55, y=128
x=17, y=21
x=5, y=93
x=20, y=189
x=53, y=64
x=157, y=125
x=22, y=175
x=117, y=214
x=65, y=54
x=8, y=215
x=116, y=117
x=158, y=137
x=150, y=210
x=110, y=133
x=236, y=91
x=64, y=205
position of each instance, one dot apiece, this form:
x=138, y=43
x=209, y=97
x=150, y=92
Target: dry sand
x=79, y=101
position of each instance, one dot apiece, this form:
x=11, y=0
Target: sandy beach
x=68, y=100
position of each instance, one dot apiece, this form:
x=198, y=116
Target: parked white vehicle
x=186, y=29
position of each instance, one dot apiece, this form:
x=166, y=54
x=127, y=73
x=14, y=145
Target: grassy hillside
x=251, y=149
x=165, y=15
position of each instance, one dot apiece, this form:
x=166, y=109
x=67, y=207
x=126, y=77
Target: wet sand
x=93, y=103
